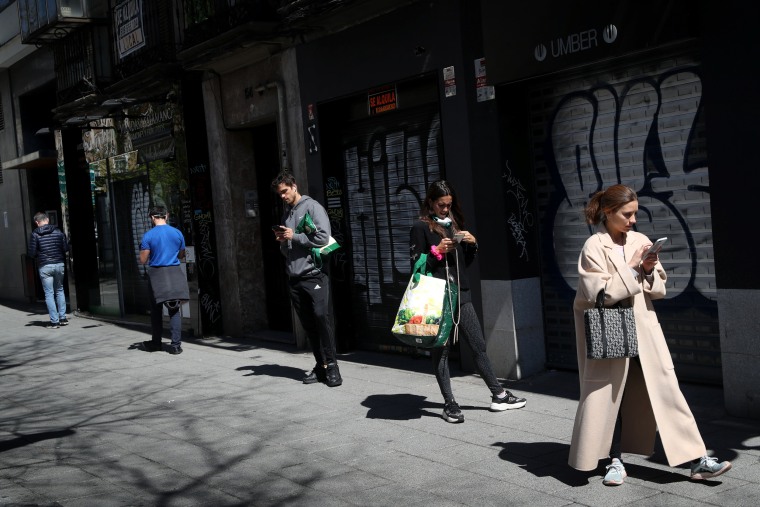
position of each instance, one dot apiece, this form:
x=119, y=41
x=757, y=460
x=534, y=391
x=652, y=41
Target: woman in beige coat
x=624, y=402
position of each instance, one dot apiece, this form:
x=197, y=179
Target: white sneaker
x=615, y=473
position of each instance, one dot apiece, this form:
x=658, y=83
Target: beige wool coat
x=653, y=400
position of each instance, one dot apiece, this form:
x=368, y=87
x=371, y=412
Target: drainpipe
x=282, y=120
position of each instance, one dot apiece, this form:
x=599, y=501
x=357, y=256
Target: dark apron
x=168, y=283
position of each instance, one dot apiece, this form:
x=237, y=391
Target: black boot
x=333, y=375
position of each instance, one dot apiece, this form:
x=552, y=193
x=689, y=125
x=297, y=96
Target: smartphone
x=278, y=228
x=458, y=237
x=657, y=246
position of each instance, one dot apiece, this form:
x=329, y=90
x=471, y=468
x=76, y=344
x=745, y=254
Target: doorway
x=267, y=162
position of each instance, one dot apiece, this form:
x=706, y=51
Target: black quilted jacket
x=48, y=244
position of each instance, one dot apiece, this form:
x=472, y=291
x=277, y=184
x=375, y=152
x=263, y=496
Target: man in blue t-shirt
x=161, y=249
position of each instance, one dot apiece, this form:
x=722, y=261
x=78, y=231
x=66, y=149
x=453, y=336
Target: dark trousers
x=157, y=323
x=311, y=301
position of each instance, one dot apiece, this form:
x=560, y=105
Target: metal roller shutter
x=641, y=124
x=388, y=163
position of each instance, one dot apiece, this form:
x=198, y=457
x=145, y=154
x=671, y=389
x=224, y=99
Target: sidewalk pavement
x=88, y=418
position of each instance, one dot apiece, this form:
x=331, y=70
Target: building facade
x=526, y=109
x=643, y=94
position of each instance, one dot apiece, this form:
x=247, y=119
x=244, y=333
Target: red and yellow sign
x=382, y=101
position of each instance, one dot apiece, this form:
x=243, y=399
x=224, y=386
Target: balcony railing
x=205, y=19
x=45, y=21
x=149, y=37
x=82, y=63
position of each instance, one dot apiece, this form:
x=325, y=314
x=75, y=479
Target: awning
x=36, y=160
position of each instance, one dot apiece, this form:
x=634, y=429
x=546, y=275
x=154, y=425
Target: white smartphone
x=458, y=237
x=657, y=246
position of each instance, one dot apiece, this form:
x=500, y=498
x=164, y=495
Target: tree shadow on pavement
x=399, y=407
x=273, y=370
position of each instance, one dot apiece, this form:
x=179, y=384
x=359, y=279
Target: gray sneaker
x=615, y=473
x=708, y=467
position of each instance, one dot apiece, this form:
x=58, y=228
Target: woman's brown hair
x=608, y=201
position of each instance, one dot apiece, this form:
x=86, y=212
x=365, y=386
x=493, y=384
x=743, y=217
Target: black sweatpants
x=311, y=300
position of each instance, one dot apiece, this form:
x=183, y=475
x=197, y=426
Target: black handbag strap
x=600, y=299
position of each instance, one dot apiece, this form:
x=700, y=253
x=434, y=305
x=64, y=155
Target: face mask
x=446, y=222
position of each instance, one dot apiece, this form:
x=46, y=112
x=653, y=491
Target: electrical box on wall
x=251, y=204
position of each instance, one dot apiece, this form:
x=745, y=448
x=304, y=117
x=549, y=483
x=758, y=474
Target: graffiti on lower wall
x=387, y=175
x=520, y=217
x=646, y=133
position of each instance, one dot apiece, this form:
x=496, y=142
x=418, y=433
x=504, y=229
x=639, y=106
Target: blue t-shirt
x=164, y=243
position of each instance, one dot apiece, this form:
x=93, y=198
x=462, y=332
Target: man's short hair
x=41, y=216
x=157, y=211
x=285, y=177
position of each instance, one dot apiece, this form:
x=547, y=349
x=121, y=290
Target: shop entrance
x=376, y=171
x=267, y=162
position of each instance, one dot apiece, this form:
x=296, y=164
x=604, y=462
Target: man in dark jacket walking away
x=49, y=246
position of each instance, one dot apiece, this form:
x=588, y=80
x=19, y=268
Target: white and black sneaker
x=508, y=402
x=452, y=413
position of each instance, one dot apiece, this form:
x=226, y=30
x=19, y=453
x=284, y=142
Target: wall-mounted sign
x=128, y=26
x=525, y=39
x=382, y=101
x=449, y=82
x=482, y=90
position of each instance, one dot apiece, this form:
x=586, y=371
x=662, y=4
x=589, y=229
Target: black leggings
x=472, y=333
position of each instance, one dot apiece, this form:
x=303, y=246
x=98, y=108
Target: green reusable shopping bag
x=425, y=315
x=319, y=254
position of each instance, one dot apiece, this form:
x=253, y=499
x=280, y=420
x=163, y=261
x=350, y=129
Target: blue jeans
x=51, y=277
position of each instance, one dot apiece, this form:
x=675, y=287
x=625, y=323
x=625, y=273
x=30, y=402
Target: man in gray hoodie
x=49, y=246
x=309, y=286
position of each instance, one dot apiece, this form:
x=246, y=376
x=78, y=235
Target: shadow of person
x=274, y=370
x=544, y=459
x=399, y=407
x=37, y=323
x=21, y=439
x=143, y=347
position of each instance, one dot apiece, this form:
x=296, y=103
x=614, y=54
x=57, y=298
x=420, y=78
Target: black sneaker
x=452, y=413
x=508, y=402
x=333, y=375
x=52, y=325
x=317, y=374
x=63, y=322
x=152, y=346
x=175, y=351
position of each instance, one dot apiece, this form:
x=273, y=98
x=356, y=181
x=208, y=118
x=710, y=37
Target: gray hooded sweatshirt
x=297, y=251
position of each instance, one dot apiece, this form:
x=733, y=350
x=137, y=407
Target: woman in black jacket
x=440, y=234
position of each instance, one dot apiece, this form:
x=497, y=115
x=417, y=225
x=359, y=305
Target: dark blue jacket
x=48, y=244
